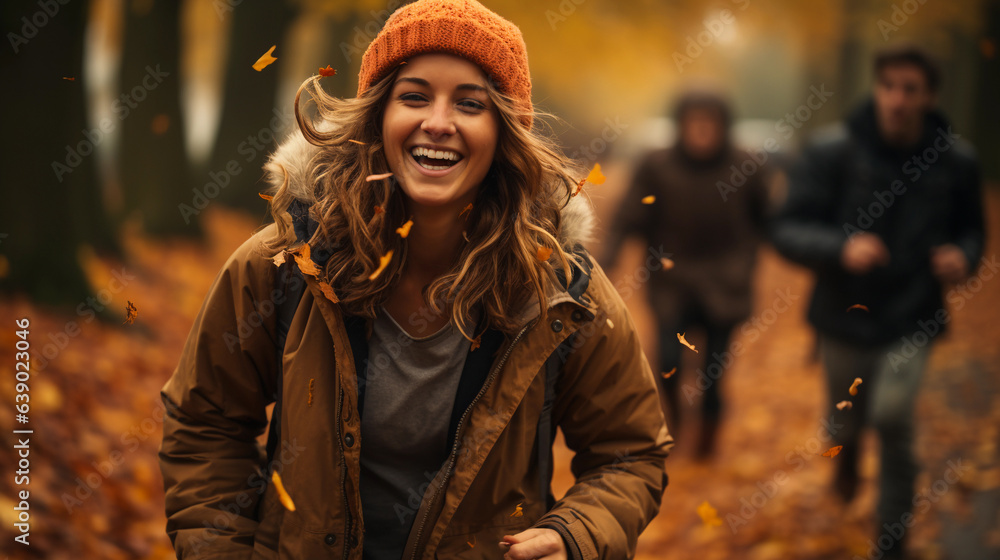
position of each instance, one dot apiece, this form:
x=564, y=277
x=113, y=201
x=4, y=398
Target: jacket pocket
x=481, y=543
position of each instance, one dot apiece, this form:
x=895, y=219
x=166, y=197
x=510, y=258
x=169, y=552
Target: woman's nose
x=439, y=121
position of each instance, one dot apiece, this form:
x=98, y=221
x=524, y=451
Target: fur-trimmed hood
x=292, y=158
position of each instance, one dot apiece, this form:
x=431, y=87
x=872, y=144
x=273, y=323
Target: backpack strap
x=292, y=285
x=546, y=430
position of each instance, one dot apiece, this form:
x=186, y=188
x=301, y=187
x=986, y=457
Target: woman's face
x=440, y=129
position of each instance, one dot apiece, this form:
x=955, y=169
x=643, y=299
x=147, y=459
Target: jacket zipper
x=343, y=472
x=458, y=431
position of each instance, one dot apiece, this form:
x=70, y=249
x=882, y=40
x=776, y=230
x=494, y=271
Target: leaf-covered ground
x=96, y=490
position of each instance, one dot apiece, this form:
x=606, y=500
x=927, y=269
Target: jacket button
x=557, y=325
x=330, y=539
x=349, y=439
x=577, y=315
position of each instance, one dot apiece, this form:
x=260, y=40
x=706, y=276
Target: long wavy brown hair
x=516, y=211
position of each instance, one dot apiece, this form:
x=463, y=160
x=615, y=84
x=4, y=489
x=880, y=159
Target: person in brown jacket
x=444, y=320
x=709, y=213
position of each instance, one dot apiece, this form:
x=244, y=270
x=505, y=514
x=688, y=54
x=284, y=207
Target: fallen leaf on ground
x=378, y=177
x=708, y=514
x=286, y=500
x=383, y=262
x=265, y=59
x=131, y=312
x=854, y=386
x=680, y=337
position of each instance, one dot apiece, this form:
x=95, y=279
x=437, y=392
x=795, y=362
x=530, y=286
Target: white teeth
x=436, y=154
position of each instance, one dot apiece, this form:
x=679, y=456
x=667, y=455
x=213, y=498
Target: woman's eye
x=474, y=105
x=412, y=97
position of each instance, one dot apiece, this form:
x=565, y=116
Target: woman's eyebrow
x=425, y=83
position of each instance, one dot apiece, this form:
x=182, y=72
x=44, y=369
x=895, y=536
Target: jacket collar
x=291, y=162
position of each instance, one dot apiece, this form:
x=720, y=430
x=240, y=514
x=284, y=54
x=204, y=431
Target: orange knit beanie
x=462, y=27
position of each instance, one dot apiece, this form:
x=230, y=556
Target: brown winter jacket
x=220, y=505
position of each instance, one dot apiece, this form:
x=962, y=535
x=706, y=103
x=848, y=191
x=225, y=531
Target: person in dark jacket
x=886, y=209
x=709, y=215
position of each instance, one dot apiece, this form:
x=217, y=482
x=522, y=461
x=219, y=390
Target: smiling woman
x=452, y=319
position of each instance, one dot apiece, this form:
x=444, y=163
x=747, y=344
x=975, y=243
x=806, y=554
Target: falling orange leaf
x=304, y=260
x=854, y=386
x=543, y=253
x=475, y=343
x=404, y=230
x=265, y=59
x=466, y=209
x=327, y=290
x=595, y=176
x=286, y=500
x=472, y=543
x=648, y=199
x=131, y=312
x=383, y=262
x=279, y=259
x=378, y=177
x=518, y=510
x=844, y=405
x=70, y=79
x=328, y=71
x=265, y=196
x=667, y=263
x=356, y=141
x=669, y=374
x=680, y=337
x=833, y=451
x=709, y=515
x=858, y=306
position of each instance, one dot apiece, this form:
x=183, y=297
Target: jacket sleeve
x=804, y=229
x=609, y=411
x=215, y=410
x=968, y=231
x=632, y=217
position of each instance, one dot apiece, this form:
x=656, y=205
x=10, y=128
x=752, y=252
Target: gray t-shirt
x=409, y=394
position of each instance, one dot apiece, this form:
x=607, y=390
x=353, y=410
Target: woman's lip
x=433, y=172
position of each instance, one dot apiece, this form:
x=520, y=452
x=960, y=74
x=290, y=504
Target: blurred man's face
x=902, y=98
x=701, y=132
